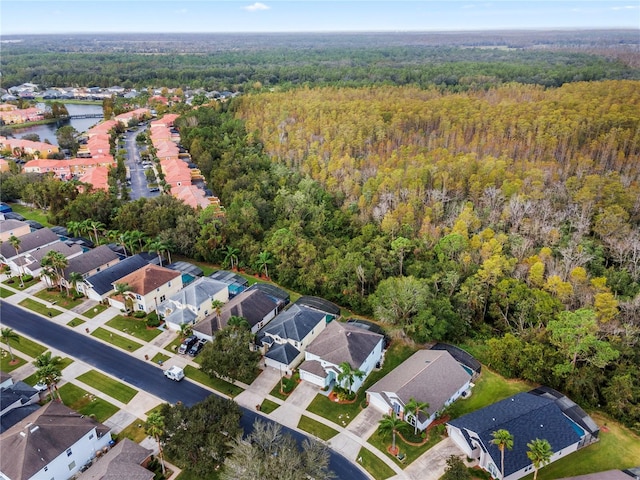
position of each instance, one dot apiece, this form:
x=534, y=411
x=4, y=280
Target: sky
x=208, y=16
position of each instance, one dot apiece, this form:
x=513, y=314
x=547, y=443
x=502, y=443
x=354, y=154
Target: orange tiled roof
x=148, y=278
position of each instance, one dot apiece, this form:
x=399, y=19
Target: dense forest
x=454, y=61
x=499, y=210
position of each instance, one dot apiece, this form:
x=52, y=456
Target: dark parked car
x=187, y=344
x=197, y=347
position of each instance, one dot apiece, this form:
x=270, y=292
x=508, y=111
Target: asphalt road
x=138, y=186
x=140, y=374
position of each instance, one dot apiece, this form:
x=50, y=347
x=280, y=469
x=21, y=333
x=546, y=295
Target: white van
x=174, y=373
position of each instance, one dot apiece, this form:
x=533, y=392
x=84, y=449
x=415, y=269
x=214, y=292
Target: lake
x=48, y=131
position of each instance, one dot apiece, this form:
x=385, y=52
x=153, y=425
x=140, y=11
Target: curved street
x=135, y=372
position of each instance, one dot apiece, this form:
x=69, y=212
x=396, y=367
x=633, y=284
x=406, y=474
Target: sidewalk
x=348, y=442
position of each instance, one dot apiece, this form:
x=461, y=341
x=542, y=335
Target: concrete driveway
x=431, y=465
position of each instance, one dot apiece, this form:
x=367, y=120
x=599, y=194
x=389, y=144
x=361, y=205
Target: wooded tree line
x=534, y=257
x=450, y=67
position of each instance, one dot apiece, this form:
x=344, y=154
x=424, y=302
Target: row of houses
x=10, y=114
x=18, y=147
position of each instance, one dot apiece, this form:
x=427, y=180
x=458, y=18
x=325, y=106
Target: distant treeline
x=469, y=63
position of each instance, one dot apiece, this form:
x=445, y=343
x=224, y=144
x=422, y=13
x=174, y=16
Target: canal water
x=48, y=131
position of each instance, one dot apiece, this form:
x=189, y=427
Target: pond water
x=48, y=131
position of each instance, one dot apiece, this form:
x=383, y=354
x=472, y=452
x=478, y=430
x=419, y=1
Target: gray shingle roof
x=295, y=323
x=194, y=294
x=39, y=438
x=341, y=342
x=29, y=242
x=284, y=353
x=431, y=376
x=526, y=417
x=90, y=260
x=102, y=281
x=123, y=461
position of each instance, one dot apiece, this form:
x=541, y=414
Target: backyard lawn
x=316, y=428
x=374, y=465
x=39, y=307
x=60, y=298
x=218, y=384
x=28, y=347
x=618, y=449
x=31, y=213
x=108, y=385
x=95, y=310
x=86, y=403
x=134, y=326
x=115, y=339
x=490, y=388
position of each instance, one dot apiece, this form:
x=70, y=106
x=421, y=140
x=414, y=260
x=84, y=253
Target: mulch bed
x=435, y=423
x=334, y=398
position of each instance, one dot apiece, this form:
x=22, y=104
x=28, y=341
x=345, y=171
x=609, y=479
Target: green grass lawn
x=490, y=388
x=39, y=307
x=31, y=213
x=343, y=413
x=412, y=452
x=173, y=346
x=4, y=293
x=134, y=431
x=95, y=310
x=5, y=360
x=62, y=300
x=86, y=403
x=160, y=357
x=115, y=339
x=33, y=378
x=15, y=282
x=216, y=383
x=372, y=464
x=75, y=322
x=316, y=428
x=28, y=347
x=618, y=448
x=275, y=391
x=134, y=326
x=267, y=406
x=108, y=385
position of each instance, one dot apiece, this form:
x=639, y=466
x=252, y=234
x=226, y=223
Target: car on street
x=187, y=344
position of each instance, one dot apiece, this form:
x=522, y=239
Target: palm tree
x=264, y=259
x=154, y=427
x=122, y=289
x=57, y=262
x=391, y=424
x=239, y=322
x=231, y=256
x=502, y=439
x=84, y=227
x=7, y=335
x=74, y=278
x=349, y=374
x=185, y=330
x=137, y=236
x=15, y=243
x=95, y=226
x=540, y=454
x=49, y=372
x=74, y=228
x=414, y=407
x=154, y=246
x=217, y=307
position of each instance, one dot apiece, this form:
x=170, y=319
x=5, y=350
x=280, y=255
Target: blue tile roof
x=526, y=417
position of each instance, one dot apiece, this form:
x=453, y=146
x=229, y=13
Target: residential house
x=541, y=413
x=100, y=285
x=15, y=228
x=278, y=295
x=126, y=460
x=338, y=343
x=91, y=262
x=54, y=442
x=16, y=394
x=28, y=243
x=149, y=287
x=193, y=302
x=19, y=146
x=32, y=261
x=236, y=283
x=287, y=336
x=431, y=376
x=5, y=166
x=254, y=306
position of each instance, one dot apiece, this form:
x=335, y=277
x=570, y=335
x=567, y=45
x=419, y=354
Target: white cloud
x=256, y=7
x=626, y=7
x=182, y=11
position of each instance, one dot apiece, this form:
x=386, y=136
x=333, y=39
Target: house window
x=140, y=306
x=169, y=284
x=162, y=298
x=138, y=297
x=91, y=437
x=72, y=465
x=46, y=468
x=68, y=452
x=98, y=269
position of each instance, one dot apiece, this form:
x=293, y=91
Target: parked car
x=174, y=373
x=41, y=387
x=196, y=347
x=187, y=344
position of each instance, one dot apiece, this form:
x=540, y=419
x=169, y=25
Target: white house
x=193, y=302
x=32, y=261
x=431, y=376
x=100, y=285
x=149, y=286
x=287, y=336
x=541, y=413
x=338, y=343
x=54, y=442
